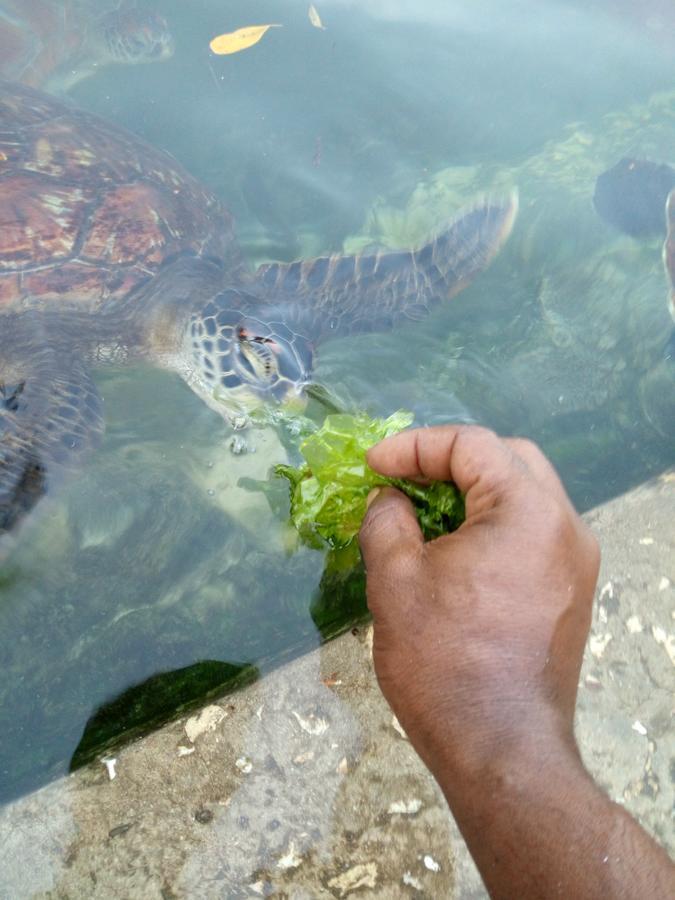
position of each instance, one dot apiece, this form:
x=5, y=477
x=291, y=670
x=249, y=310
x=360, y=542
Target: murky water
x=154, y=563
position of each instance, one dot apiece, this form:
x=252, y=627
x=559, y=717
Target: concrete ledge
x=302, y=786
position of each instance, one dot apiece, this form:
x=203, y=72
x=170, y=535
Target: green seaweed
x=328, y=492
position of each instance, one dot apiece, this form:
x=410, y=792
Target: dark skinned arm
x=478, y=643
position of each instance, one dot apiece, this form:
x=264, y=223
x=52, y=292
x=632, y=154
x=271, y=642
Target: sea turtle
x=638, y=197
x=56, y=43
x=110, y=251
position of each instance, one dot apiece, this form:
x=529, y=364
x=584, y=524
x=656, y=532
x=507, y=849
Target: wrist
x=513, y=761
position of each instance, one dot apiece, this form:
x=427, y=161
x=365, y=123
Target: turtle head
x=243, y=354
x=130, y=35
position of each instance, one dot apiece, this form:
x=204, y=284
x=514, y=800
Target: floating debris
x=639, y=727
x=207, y=720
x=315, y=18
x=647, y=541
x=241, y=39
x=342, y=766
x=185, y=751
x=664, y=584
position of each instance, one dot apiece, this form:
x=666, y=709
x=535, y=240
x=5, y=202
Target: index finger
x=465, y=454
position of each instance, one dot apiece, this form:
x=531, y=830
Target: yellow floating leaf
x=241, y=39
x=315, y=18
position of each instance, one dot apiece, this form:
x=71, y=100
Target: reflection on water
x=373, y=132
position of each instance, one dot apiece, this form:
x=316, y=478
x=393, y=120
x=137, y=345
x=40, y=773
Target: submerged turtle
x=56, y=43
x=110, y=251
x=638, y=197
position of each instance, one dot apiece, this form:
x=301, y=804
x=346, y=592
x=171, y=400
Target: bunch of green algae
x=328, y=491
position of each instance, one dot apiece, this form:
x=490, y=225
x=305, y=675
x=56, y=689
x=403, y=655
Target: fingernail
x=371, y=496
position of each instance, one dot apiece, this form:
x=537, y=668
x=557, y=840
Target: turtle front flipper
x=348, y=294
x=50, y=416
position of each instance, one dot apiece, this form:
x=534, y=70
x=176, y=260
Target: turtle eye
x=245, y=336
x=256, y=354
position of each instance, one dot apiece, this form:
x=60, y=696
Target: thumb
x=390, y=535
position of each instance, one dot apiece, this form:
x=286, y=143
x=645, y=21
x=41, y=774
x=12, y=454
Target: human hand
x=478, y=635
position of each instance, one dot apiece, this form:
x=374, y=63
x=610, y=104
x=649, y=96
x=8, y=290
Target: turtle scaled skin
x=110, y=251
x=54, y=44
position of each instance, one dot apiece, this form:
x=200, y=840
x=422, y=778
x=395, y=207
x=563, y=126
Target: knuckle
x=564, y=528
x=563, y=524
x=477, y=435
x=485, y=455
x=529, y=450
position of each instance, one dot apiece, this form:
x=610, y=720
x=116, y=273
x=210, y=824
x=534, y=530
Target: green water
x=153, y=579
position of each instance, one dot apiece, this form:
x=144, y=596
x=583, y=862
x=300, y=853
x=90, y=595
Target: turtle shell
x=88, y=211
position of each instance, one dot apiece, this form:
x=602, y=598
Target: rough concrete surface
x=303, y=786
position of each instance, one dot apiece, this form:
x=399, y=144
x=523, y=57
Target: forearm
x=538, y=826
